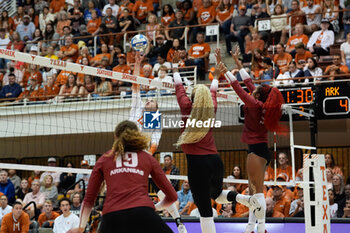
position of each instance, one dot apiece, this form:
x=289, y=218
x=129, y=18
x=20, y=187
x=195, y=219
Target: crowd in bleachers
x=281, y=201
x=65, y=30
x=49, y=191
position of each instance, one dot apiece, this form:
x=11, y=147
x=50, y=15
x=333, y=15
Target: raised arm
x=136, y=102
x=248, y=100
x=244, y=75
x=182, y=98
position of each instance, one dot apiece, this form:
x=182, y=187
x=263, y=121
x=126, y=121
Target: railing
x=73, y=185
x=190, y=72
x=10, y=6
x=212, y=28
x=256, y=23
x=35, y=208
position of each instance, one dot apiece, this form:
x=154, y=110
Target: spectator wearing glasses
x=36, y=196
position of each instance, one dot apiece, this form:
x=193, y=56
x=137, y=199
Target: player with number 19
x=125, y=169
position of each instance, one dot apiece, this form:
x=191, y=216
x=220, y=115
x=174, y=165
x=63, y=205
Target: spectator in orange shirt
x=301, y=55
x=224, y=15
x=298, y=37
x=336, y=68
x=126, y=4
x=168, y=15
x=251, y=44
x=62, y=77
x=242, y=211
x=198, y=52
x=70, y=89
x=282, y=204
x=32, y=92
x=237, y=174
x=283, y=167
x=117, y=85
x=296, y=15
x=16, y=41
x=57, y=5
x=47, y=217
x=287, y=193
x=70, y=50
x=188, y=11
x=282, y=59
x=130, y=57
x=63, y=21
x=96, y=61
x=330, y=163
x=88, y=87
x=50, y=90
x=93, y=23
x=206, y=14
x=173, y=50
x=84, y=53
x=141, y=10
x=17, y=221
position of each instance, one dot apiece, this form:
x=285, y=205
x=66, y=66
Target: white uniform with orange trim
x=136, y=115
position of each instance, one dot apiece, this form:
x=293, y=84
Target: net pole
x=291, y=135
x=275, y=155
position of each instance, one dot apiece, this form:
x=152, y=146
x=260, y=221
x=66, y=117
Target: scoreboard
x=330, y=101
x=333, y=101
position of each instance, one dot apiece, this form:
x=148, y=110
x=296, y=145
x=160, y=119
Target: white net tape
x=88, y=171
x=89, y=70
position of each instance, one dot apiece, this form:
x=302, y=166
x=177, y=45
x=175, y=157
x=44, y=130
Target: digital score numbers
x=334, y=101
x=300, y=97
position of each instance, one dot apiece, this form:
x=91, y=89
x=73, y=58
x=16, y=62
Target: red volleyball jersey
x=127, y=181
x=254, y=130
x=205, y=146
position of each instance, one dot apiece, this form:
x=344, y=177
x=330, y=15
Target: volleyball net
x=82, y=124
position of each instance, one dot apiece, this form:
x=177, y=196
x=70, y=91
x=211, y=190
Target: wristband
x=177, y=78
x=214, y=85
x=244, y=74
x=230, y=77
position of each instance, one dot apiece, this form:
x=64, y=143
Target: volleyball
x=139, y=43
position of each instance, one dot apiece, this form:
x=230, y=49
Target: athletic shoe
x=181, y=228
x=259, y=210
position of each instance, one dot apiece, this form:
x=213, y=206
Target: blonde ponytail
x=202, y=110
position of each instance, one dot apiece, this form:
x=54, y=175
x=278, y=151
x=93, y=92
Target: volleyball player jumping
x=136, y=115
x=125, y=168
x=205, y=169
x=262, y=112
